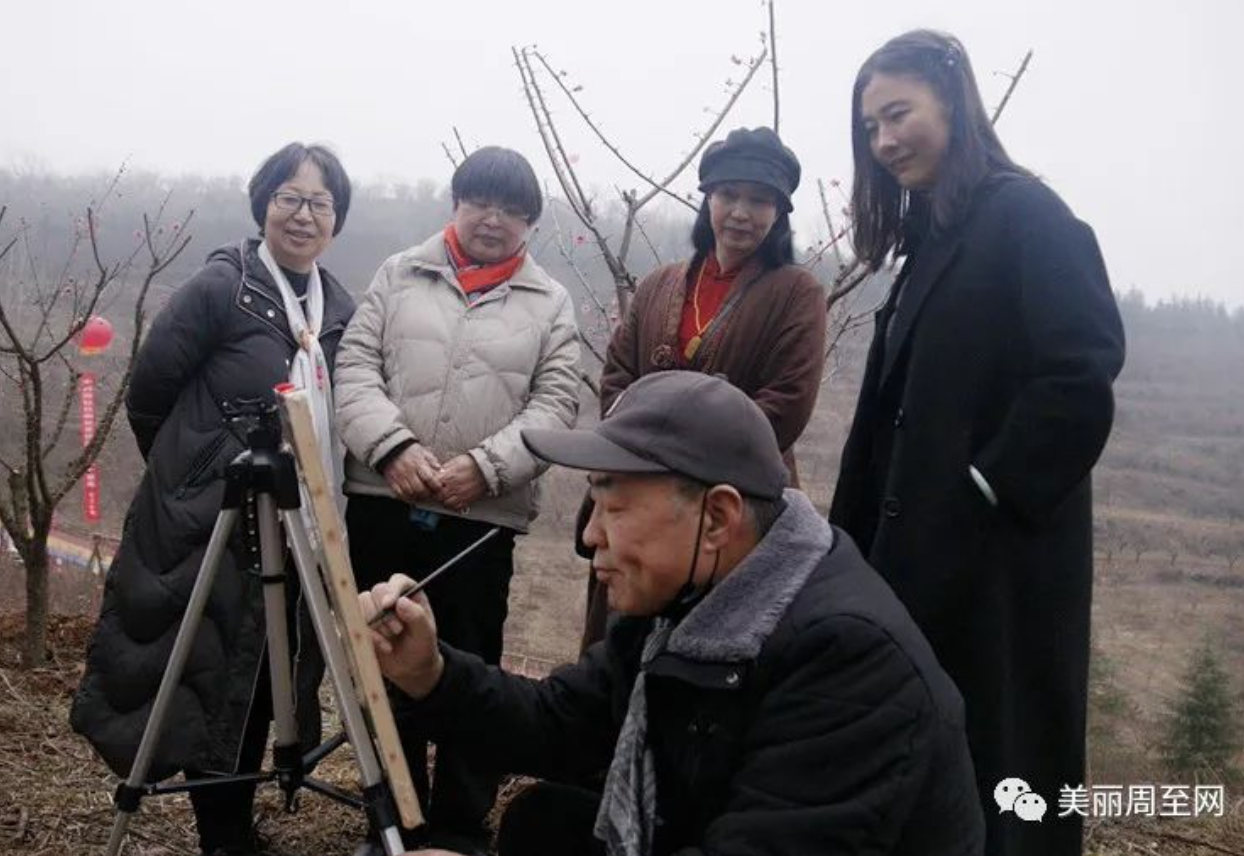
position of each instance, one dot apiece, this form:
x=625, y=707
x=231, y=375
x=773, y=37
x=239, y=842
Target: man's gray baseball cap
x=680, y=422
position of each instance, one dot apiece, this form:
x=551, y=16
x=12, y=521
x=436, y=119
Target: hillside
x=1170, y=516
x=1169, y=488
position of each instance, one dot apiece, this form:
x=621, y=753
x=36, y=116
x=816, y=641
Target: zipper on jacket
x=201, y=464
x=451, y=367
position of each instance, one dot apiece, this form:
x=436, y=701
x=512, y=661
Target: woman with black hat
x=738, y=307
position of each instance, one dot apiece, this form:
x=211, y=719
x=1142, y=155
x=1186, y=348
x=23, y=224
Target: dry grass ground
x=55, y=795
x=1170, y=536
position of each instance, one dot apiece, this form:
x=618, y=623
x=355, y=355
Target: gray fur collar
x=732, y=623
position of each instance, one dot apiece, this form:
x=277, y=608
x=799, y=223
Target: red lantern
x=95, y=337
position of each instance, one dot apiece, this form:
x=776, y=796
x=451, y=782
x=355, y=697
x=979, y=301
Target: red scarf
x=708, y=290
x=475, y=277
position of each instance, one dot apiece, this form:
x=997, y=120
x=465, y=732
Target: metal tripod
x=266, y=473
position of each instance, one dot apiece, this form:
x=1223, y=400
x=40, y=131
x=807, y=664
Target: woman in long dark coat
x=224, y=337
x=986, y=402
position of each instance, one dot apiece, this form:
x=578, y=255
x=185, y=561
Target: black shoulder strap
x=714, y=326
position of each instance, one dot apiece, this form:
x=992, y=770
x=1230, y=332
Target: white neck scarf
x=309, y=371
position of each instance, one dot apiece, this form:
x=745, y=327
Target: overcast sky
x=1128, y=109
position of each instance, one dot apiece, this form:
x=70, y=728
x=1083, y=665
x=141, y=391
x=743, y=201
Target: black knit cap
x=692, y=424
x=755, y=154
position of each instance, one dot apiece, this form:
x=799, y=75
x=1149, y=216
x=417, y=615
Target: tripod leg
x=129, y=794
x=380, y=810
x=272, y=562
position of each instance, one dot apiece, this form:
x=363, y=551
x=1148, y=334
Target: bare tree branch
x=106, y=276
x=567, y=175
x=628, y=228
x=66, y=408
x=461, y=145
x=707, y=134
x=1015, y=78
x=773, y=61
x=829, y=222
x=452, y=161
x=845, y=323
x=568, y=255
x=555, y=137
x=600, y=135
x=15, y=346
x=847, y=280
x=648, y=241
x=592, y=347
x=817, y=254
x=559, y=169
x=36, y=474
x=624, y=281
x=10, y=512
x=160, y=258
x=656, y=187
x=110, y=189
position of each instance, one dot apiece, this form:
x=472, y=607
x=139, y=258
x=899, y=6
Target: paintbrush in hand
x=414, y=588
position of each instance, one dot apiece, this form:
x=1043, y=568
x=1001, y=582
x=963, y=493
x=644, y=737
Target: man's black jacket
x=843, y=736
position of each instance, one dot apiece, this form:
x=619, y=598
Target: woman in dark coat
x=224, y=337
x=738, y=307
x=986, y=402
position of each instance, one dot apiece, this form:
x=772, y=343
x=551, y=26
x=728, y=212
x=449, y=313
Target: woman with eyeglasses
x=986, y=400
x=460, y=342
x=259, y=313
x=739, y=306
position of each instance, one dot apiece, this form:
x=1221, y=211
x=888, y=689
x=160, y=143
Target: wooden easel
x=339, y=580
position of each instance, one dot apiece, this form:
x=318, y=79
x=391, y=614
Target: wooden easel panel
x=355, y=635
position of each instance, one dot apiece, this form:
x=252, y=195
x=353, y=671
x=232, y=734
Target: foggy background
x=1125, y=110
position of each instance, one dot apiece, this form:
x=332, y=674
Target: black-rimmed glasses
x=320, y=206
x=483, y=208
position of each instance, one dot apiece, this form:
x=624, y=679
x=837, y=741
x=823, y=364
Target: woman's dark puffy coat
x=223, y=337
x=1000, y=355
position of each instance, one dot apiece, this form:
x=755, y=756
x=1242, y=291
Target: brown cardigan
x=771, y=345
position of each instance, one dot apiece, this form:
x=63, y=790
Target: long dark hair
x=880, y=205
x=775, y=250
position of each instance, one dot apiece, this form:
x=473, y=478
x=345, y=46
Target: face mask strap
x=689, y=595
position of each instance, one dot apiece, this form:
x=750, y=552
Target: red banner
x=86, y=425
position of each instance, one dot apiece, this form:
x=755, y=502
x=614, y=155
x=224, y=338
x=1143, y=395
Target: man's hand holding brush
x=405, y=640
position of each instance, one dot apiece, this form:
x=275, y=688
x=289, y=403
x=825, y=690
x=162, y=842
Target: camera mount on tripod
x=262, y=465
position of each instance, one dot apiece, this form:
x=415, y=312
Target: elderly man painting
x=763, y=691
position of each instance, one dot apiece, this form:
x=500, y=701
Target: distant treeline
x=383, y=219
x=1178, y=444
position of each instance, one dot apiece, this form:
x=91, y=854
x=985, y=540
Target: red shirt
x=708, y=290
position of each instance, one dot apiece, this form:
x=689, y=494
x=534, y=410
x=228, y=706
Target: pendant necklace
x=693, y=344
